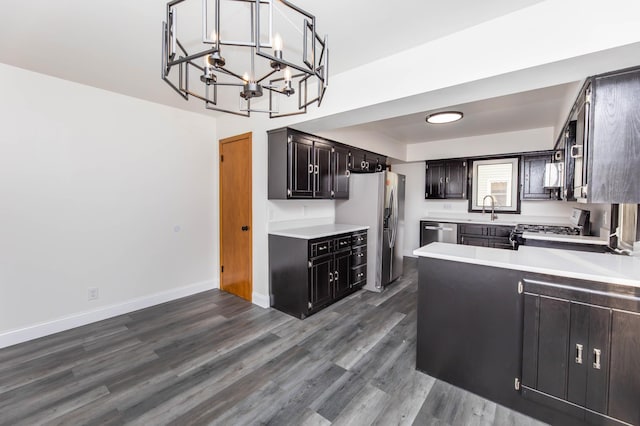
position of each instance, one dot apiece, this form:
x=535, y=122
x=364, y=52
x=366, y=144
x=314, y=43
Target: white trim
x=42, y=329
x=260, y=300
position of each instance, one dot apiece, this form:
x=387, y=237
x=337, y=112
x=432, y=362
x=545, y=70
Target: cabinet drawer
x=479, y=230
x=358, y=274
x=342, y=243
x=359, y=256
x=320, y=248
x=359, y=239
x=500, y=231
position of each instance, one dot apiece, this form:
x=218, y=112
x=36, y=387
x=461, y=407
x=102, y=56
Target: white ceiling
x=521, y=111
x=116, y=45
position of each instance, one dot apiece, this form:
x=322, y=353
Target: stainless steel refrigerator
x=377, y=200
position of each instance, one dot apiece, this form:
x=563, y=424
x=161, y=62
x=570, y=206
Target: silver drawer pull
x=578, y=353
x=330, y=277
x=596, y=362
x=336, y=276
x=310, y=168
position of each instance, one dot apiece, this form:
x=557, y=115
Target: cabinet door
x=358, y=160
x=553, y=342
x=569, y=161
x=624, y=385
x=341, y=275
x=341, y=172
x=301, y=176
x=456, y=179
x=533, y=167
x=613, y=156
x=434, y=181
x=322, y=170
x=320, y=282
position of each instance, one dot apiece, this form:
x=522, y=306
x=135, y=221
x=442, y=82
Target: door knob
x=245, y=228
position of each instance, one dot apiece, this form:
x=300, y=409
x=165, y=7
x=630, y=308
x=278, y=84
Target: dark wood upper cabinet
x=341, y=172
x=322, y=169
x=304, y=166
x=301, y=177
x=602, y=135
x=532, y=175
x=446, y=179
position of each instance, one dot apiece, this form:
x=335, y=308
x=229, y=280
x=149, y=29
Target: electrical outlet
x=92, y=293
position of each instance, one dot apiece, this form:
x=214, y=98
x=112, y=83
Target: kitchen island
x=551, y=333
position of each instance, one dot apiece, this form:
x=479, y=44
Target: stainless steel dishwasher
x=431, y=232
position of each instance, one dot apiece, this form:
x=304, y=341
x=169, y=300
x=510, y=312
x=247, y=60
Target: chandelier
x=246, y=50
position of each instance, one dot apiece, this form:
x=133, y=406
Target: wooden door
x=235, y=216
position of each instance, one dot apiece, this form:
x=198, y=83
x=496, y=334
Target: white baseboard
x=260, y=300
x=35, y=331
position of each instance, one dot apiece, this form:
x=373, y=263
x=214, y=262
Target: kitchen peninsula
x=551, y=333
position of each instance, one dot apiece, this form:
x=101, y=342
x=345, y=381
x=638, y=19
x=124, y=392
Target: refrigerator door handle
x=395, y=221
x=392, y=215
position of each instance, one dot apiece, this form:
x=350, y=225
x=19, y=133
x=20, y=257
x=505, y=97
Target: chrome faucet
x=493, y=206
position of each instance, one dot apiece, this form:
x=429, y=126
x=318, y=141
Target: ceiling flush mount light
x=242, y=55
x=444, y=117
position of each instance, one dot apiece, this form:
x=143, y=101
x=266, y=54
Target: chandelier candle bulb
x=277, y=43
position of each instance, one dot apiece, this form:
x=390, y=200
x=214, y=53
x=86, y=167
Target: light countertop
x=608, y=268
x=506, y=220
x=575, y=239
x=318, y=231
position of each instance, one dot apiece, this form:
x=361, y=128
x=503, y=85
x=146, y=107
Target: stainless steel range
x=579, y=221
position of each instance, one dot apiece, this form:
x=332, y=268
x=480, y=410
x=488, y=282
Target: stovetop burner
x=548, y=229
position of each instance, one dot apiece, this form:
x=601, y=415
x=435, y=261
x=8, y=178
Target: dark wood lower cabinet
x=624, y=376
x=568, y=345
x=305, y=276
x=562, y=350
x=495, y=236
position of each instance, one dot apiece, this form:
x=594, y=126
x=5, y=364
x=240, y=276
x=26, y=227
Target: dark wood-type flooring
x=213, y=358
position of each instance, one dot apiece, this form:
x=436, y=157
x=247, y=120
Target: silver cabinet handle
x=310, y=168
x=576, y=151
x=437, y=228
x=362, y=164
x=367, y=165
x=336, y=276
x=596, y=362
x=578, y=353
x=315, y=168
x=330, y=277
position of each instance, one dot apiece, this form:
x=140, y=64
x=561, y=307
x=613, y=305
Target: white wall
x=500, y=143
x=99, y=190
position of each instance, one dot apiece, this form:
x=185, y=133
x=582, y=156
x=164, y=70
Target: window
x=498, y=179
